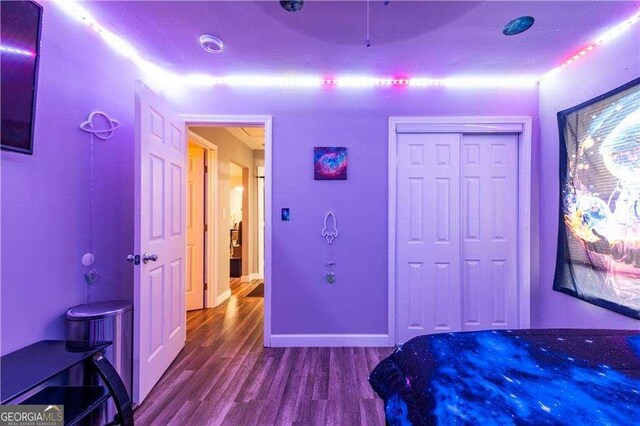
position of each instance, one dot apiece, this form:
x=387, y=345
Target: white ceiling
x=432, y=38
x=253, y=137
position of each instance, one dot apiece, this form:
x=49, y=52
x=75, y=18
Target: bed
x=513, y=377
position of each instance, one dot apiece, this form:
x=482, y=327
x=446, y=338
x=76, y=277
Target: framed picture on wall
x=330, y=163
x=599, y=231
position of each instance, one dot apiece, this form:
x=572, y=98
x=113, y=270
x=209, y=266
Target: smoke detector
x=211, y=43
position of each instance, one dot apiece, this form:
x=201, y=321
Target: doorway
x=241, y=261
x=458, y=225
x=160, y=232
x=240, y=243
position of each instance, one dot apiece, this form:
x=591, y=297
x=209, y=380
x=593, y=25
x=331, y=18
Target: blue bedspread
x=513, y=377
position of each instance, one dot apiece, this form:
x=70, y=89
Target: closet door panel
x=489, y=221
x=427, y=234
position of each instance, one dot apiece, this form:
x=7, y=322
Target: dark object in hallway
x=235, y=267
x=257, y=292
x=534, y=377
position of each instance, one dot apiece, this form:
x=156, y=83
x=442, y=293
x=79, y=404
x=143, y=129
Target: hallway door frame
x=266, y=122
x=211, y=218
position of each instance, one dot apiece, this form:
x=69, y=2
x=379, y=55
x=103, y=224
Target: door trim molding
x=222, y=298
x=483, y=124
x=266, y=121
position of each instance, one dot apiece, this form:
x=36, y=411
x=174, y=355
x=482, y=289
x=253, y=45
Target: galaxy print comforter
x=536, y=377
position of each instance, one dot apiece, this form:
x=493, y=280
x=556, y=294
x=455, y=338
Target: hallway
x=225, y=376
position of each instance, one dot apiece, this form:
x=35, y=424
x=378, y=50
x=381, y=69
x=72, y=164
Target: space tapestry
x=599, y=234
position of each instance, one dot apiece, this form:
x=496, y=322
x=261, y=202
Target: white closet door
x=456, y=233
x=428, y=237
x=489, y=231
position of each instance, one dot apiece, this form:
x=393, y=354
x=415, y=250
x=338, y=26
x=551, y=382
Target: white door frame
x=502, y=124
x=266, y=121
x=260, y=207
x=211, y=246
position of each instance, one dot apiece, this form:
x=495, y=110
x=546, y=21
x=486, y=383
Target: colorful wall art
x=330, y=163
x=599, y=235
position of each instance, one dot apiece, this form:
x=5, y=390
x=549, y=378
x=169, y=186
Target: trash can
x=106, y=321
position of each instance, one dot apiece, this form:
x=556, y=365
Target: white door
x=489, y=211
x=456, y=233
x=195, y=227
x=261, y=222
x=160, y=211
x=427, y=243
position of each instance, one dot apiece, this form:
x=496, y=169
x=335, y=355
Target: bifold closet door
x=489, y=211
x=428, y=235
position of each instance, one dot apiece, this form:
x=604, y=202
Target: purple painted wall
x=45, y=197
x=605, y=69
x=47, y=224
x=357, y=303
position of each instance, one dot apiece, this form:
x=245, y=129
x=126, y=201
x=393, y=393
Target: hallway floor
x=225, y=376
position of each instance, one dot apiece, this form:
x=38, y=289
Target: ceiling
x=253, y=137
x=409, y=38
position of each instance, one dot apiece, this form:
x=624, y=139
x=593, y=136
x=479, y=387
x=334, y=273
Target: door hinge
x=206, y=286
x=206, y=228
x=206, y=169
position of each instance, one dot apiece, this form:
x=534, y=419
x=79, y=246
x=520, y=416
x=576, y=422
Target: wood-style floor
x=224, y=376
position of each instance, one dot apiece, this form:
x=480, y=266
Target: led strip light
x=162, y=77
x=607, y=36
x=16, y=51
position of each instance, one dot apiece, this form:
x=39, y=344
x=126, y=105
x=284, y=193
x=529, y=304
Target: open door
x=160, y=240
x=195, y=227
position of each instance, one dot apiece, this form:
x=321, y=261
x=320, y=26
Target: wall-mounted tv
x=20, y=50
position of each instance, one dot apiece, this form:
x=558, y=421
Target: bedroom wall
x=605, y=69
x=45, y=197
x=302, y=301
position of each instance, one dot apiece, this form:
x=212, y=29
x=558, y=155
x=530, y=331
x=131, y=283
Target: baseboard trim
x=224, y=296
x=329, y=340
x=255, y=276
x=245, y=278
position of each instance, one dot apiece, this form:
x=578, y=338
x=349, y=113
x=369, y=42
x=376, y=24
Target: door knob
x=146, y=258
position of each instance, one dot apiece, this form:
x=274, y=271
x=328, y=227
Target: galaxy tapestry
x=330, y=163
x=599, y=234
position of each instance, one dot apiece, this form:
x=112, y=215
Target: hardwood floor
x=224, y=376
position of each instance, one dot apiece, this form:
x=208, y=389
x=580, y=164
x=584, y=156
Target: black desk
x=34, y=365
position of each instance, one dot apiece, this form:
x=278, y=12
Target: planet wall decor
x=330, y=163
x=599, y=231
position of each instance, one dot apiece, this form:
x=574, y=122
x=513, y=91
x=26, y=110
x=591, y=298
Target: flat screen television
x=20, y=50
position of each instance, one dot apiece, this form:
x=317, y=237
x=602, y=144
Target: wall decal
x=330, y=163
x=330, y=233
x=599, y=234
x=100, y=125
